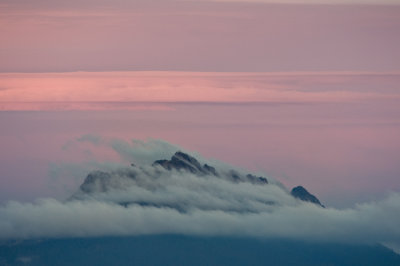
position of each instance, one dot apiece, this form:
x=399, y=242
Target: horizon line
x=293, y=72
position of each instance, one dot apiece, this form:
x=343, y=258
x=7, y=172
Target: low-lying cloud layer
x=367, y=223
x=152, y=200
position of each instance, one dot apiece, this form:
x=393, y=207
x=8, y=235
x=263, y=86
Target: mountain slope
x=188, y=250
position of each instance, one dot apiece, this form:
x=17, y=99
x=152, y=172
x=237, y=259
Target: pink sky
x=75, y=90
x=59, y=36
x=343, y=152
x=334, y=132
x=306, y=91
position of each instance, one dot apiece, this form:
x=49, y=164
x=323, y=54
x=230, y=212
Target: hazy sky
x=325, y=76
x=53, y=36
x=343, y=152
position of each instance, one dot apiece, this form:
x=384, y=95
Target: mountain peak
x=301, y=193
x=148, y=179
x=183, y=161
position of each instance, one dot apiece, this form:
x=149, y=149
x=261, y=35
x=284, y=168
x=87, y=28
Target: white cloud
x=151, y=200
x=367, y=223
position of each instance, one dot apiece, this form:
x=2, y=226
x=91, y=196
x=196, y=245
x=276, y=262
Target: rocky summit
x=302, y=194
x=183, y=161
x=149, y=178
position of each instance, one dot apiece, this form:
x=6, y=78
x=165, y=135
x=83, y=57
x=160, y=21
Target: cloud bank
x=149, y=199
x=366, y=223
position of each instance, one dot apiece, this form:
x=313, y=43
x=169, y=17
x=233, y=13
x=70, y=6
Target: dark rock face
x=255, y=179
x=96, y=180
x=302, y=194
x=210, y=169
x=183, y=161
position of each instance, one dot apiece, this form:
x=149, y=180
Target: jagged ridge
x=99, y=181
x=183, y=161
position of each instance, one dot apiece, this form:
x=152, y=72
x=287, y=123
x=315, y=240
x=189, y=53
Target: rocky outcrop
x=183, y=161
x=99, y=181
x=301, y=193
x=96, y=181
